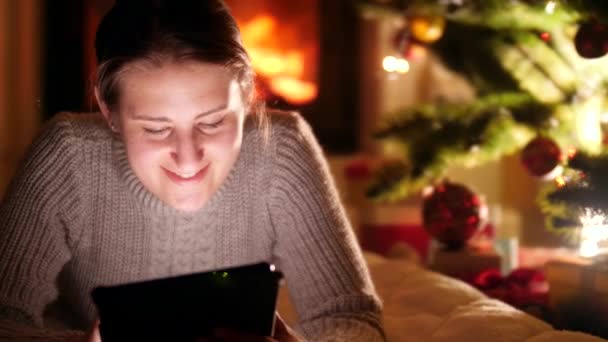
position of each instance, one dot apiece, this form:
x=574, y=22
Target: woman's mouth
x=185, y=178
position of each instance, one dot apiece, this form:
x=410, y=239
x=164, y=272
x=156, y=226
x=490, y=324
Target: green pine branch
x=434, y=137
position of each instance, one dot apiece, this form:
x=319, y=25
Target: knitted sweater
x=76, y=217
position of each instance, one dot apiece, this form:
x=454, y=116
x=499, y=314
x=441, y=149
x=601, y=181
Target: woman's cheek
x=146, y=154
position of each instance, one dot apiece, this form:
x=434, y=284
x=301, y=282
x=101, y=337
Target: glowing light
x=394, y=64
x=294, y=90
x=283, y=68
x=588, y=129
x=550, y=7
x=594, y=231
x=571, y=152
x=557, y=171
x=258, y=29
x=560, y=182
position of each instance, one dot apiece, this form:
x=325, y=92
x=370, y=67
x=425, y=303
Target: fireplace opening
x=282, y=40
x=304, y=56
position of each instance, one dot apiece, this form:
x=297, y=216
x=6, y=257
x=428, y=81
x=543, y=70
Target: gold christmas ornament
x=426, y=29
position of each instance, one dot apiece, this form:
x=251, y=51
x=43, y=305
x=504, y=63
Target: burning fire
x=284, y=69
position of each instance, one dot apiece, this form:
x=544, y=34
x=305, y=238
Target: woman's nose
x=187, y=153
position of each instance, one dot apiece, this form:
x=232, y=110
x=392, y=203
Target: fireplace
x=305, y=55
x=282, y=40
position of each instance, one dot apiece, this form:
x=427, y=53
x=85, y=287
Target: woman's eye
x=211, y=125
x=158, y=131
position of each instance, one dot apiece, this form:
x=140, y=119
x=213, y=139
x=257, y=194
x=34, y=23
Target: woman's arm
x=40, y=203
x=316, y=248
x=15, y=331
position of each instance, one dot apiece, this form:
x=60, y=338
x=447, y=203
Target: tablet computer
x=186, y=307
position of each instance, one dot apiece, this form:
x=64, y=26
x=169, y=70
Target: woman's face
x=182, y=125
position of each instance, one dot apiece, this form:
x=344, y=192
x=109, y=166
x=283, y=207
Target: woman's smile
x=187, y=178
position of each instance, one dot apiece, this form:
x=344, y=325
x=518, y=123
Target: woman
x=178, y=174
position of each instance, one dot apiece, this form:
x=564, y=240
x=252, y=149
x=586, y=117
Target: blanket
x=421, y=305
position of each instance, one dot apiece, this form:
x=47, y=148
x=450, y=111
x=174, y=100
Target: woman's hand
x=282, y=333
x=92, y=335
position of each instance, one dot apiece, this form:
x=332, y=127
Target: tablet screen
x=186, y=307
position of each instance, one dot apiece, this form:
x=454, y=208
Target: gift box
x=464, y=262
x=578, y=294
x=384, y=226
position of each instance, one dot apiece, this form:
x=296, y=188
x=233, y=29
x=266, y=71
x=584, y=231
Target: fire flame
x=284, y=69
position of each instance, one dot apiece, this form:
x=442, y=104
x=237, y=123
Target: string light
x=395, y=64
x=550, y=7
x=571, y=152
x=560, y=182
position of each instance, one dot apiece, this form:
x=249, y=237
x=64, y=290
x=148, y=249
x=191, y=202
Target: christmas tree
x=540, y=74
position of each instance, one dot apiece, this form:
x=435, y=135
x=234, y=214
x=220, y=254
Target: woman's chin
x=188, y=204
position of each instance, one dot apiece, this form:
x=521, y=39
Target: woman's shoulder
x=288, y=124
x=290, y=135
x=273, y=128
x=80, y=126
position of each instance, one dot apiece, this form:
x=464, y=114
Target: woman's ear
x=105, y=112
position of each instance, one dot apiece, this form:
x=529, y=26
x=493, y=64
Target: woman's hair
x=153, y=31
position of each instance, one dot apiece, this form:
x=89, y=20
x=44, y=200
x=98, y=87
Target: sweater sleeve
x=35, y=243
x=315, y=248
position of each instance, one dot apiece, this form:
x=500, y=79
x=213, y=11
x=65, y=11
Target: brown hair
x=157, y=30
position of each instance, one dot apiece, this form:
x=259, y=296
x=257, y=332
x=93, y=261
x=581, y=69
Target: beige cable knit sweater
x=76, y=217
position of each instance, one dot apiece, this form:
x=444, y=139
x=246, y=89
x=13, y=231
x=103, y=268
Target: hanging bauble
x=591, y=39
x=542, y=156
x=452, y=214
x=545, y=36
x=414, y=51
x=426, y=29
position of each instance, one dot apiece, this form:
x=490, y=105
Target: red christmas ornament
x=451, y=214
x=545, y=36
x=591, y=39
x=414, y=51
x=541, y=156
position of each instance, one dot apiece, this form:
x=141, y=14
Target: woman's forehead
x=176, y=79
x=192, y=88
x=174, y=72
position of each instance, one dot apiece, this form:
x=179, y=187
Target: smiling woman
x=181, y=172
x=182, y=124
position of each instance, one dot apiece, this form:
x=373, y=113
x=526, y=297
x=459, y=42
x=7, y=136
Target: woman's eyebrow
x=144, y=117
x=214, y=110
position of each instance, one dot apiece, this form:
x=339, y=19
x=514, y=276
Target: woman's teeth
x=187, y=175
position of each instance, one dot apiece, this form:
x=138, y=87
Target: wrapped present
x=524, y=288
x=383, y=228
x=464, y=262
x=578, y=294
